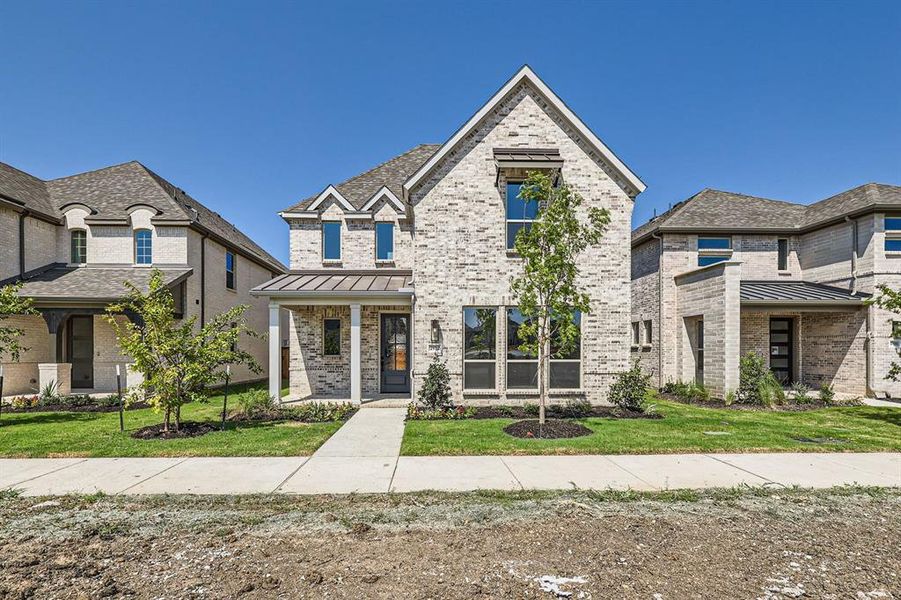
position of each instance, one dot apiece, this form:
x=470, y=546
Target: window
x=479, y=348
x=79, y=239
x=566, y=367
x=520, y=213
x=699, y=352
x=892, y=233
x=143, y=247
x=648, y=331
x=896, y=330
x=712, y=250
x=331, y=337
x=230, y=270
x=783, y=255
x=384, y=241
x=636, y=333
x=522, y=367
x=331, y=240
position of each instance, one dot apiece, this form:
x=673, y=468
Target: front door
x=395, y=341
x=80, y=347
x=781, y=356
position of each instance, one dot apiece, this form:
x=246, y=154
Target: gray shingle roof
x=110, y=191
x=392, y=173
x=94, y=283
x=715, y=210
x=787, y=292
x=337, y=282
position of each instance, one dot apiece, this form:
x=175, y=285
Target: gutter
x=203, y=280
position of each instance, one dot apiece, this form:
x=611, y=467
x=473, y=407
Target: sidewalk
x=338, y=474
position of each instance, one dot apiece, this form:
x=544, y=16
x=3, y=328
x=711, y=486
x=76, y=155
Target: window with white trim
x=636, y=333
x=384, y=241
x=648, y=333
x=712, y=250
x=230, y=279
x=520, y=213
x=522, y=366
x=782, y=254
x=143, y=247
x=892, y=233
x=566, y=366
x=479, y=348
x=79, y=238
x=331, y=240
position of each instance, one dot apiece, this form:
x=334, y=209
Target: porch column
x=275, y=362
x=356, y=376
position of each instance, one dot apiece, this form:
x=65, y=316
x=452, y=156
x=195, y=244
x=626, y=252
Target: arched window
x=143, y=247
x=79, y=245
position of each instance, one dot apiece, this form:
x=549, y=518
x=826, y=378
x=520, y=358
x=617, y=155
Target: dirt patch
x=553, y=429
x=734, y=544
x=187, y=429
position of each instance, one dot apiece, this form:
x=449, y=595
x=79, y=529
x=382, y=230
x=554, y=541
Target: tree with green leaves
x=178, y=360
x=13, y=305
x=890, y=300
x=547, y=291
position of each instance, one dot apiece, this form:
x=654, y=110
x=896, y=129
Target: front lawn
x=857, y=428
x=78, y=434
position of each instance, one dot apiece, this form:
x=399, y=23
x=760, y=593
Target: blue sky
x=252, y=106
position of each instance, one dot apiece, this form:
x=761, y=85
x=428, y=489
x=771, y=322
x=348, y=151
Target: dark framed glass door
x=395, y=353
x=781, y=354
x=80, y=350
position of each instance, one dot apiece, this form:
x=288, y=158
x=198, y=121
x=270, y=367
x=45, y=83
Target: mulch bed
x=518, y=412
x=789, y=406
x=551, y=430
x=90, y=408
x=188, y=429
x=274, y=417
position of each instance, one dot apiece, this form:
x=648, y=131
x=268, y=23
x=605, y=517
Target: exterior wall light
x=436, y=332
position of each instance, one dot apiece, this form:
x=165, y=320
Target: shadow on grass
x=886, y=415
x=48, y=418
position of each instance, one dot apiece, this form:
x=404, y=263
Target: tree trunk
x=178, y=418
x=166, y=421
x=542, y=359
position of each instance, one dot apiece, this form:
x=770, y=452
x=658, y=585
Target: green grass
x=862, y=428
x=64, y=434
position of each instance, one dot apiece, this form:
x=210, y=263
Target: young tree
x=547, y=292
x=890, y=300
x=177, y=359
x=12, y=305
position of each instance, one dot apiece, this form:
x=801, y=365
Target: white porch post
x=356, y=377
x=275, y=355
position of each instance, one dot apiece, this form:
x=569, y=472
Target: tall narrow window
x=648, y=333
x=636, y=333
x=522, y=367
x=331, y=337
x=520, y=213
x=783, y=255
x=331, y=240
x=712, y=250
x=143, y=247
x=892, y=233
x=230, y=281
x=566, y=367
x=479, y=348
x=79, y=239
x=384, y=241
x=699, y=352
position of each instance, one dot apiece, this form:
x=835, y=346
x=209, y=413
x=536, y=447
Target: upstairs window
x=893, y=233
x=479, y=348
x=712, y=250
x=230, y=270
x=520, y=213
x=636, y=333
x=331, y=240
x=783, y=255
x=648, y=333
x=384, y=241
x=143, y=247
x=79, y=238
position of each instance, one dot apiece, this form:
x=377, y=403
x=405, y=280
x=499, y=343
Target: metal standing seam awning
x=336, y=284
x=528, y=158
x=797, y=293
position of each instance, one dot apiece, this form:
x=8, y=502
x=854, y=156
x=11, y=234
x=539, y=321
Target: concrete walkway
x=330, y=472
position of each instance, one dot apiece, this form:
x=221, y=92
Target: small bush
x=506, y=411
x=319, y=412
x=630, y=388
x=256, y=403
x=730, y=397
x=418, y=413
x=756, y=383
x=687, y=392
x=531, y=409
x=50, y=393
x=435, y=392
x=25, y=401
x=801, y=393
x=573, y=409
x=827, y=393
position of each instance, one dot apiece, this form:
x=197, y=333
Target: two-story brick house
x=412, y=260
x=723, y=274
x=74, y=241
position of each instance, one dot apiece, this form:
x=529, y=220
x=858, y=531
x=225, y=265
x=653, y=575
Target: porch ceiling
x=796, y=293
x=338, y=283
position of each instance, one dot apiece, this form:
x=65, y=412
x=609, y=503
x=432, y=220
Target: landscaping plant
x=801, y=393
x=178, y=359
x=630, y=388
x=689, y=392
x=827, y=393
x=546, y=292
x=12, y=305
x=435, y=393
x=756, y=383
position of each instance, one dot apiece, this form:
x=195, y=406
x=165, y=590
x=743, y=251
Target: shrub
x=76, y=401
x=256, y=403
x=506, y=411
x=319, y=412
x=827, y=393
x=435, y=391
x=530, y=409
x=50, y=393
x=756, y=383
x=687, y=392
x=730, y=397
x=630, y=387
x=801, y=393
x=418, y=413
x=573, y=409
x=25, y=401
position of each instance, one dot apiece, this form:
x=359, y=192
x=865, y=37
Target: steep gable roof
x=25, y=190
x=628, y=180
x=359, y=189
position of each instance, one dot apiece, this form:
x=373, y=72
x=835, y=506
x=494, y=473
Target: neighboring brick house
x=723, y=274
x=74, y=241
x=412, y=260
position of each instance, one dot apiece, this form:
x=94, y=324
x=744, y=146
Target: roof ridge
x=383, y=163
x=26, y=173
x=97, y=170
x=751, y=196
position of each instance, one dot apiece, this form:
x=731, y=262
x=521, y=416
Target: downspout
x=22, y=216
x=868, y=342
x=854, y=241
x=659, y=239
x=203, y=280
